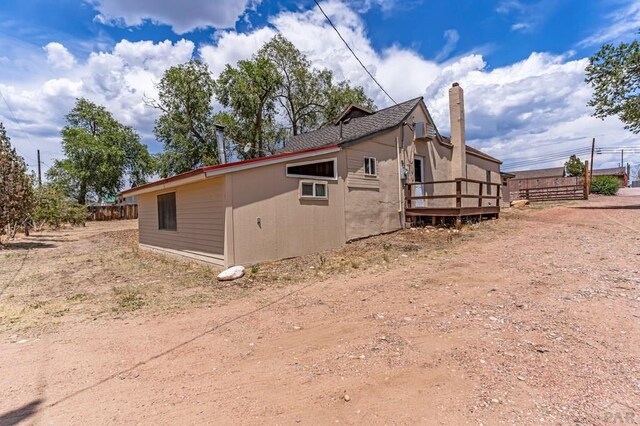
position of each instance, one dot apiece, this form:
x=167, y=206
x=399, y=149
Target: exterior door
x=418, y=176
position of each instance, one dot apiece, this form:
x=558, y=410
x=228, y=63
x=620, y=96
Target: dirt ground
x=530, y=319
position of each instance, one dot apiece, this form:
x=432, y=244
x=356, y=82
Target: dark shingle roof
x=354, y=128
x=615, y=171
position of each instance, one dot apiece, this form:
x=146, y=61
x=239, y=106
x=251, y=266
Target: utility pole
x=622, y=159
x=39, y=171
x=593, y=148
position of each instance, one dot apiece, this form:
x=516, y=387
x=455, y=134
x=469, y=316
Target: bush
x=605, y=185
x=53, y=208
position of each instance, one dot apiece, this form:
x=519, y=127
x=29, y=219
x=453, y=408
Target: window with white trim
x=370, y=166
x=313, y=169
x=313, y=190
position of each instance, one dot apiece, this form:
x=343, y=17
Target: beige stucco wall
x=476, y=170
x=289, y=226
x=200, y=209
x=372, y=204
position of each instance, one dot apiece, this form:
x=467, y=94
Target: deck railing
x=459, y=195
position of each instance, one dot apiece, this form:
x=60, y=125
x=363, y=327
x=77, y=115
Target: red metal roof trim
x=205, y=169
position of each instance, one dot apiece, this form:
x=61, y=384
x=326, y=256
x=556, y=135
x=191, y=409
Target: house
x=351, y=179
x=619, y=173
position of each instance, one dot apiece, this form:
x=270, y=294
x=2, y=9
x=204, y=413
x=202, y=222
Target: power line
x=354, y=53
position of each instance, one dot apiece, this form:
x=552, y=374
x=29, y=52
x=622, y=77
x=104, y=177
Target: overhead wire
x=354, y=53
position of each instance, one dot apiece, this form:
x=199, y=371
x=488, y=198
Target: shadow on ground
x=19, y=414
x=26, y=245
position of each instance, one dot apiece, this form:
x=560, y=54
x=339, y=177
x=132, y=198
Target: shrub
x=53, y=208
x=605, y=185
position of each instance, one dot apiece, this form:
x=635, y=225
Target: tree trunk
x=82, y=193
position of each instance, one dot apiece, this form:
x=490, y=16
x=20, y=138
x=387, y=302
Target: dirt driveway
x=530, y=319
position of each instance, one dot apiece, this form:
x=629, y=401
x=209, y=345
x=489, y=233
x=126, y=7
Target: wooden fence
x=548, y=189
x=121, y=212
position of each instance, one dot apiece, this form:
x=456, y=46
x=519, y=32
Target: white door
x=418, y=176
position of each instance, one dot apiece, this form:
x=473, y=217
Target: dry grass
x=104, y=275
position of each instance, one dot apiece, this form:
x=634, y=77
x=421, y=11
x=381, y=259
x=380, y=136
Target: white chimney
x=456, y=113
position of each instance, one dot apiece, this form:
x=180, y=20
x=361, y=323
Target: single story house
x=619, y=173
x=342, y=182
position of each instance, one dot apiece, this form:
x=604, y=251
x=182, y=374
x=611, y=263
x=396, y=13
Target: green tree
x=574, y=166
x=100, y=153
x=614, y=74
x=339, y=96
x=16, y=188
x=249, y=92
x=187, y=124
x=308, y=96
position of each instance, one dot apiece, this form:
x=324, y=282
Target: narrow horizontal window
x=370, y=166
x=167, y=211
x=313, y=190
x=315, y=169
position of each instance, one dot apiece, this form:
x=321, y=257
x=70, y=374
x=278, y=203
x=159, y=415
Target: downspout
x=400, y=185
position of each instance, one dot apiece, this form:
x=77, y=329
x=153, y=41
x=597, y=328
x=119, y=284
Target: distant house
x=363, y=175
x=619, y=173
x=553, y=172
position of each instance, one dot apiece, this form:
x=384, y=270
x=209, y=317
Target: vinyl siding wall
x=200, y=210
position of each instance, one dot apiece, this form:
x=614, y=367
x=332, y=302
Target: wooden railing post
x=458, y=193
x=480, y=190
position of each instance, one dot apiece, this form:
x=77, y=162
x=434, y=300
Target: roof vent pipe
x=220, y=140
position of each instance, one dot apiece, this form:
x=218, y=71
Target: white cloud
x=451, y=38
x=529, y=108
x=58, y=56
x=621, y=25
x=183, y=16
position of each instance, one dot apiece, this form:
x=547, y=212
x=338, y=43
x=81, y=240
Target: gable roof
x=614, y=171
x=353, y=111
x=539, y=173
x=354, y=128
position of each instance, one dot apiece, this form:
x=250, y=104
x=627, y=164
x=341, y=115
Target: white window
x=370, y=166
x=325, y=169
x=313, y=189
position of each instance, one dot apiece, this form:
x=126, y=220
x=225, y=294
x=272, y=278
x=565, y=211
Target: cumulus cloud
x=58, y=56
x=532, y=107
x=183, y=16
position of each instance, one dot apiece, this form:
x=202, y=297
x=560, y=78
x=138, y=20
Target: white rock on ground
x=231, y=274
x=519, y=203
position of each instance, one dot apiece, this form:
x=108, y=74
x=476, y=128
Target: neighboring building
x=553, y=172
x=339, y=183
x=619, y=173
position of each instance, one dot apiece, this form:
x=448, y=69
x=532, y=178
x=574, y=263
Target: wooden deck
x=453, y=205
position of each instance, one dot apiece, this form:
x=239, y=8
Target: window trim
x=314, y=196
x=304, y=163
x=175, y=199
x=375, y=167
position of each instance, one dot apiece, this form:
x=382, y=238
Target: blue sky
x=520, y=62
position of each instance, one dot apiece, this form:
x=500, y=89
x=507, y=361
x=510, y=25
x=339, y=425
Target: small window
x=167, y=211
x=370, y=166
x=489, y=186
x=315, y=169
x=313, y=190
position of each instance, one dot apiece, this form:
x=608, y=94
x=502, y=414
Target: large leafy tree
x=101, y=155
x=308, y=96
x=574, y=166
x=614, y=74
x=16, y=186
x=249, y=92
x=187, y=124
